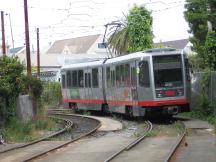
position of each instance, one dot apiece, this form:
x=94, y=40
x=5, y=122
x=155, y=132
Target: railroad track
x=68, y=125
x=133, y=143
x=72, y=119
x=171, y=157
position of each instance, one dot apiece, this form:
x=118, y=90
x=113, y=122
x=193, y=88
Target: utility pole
x=11, y=31
x=38, y=54
x=3, y=34
x=28, y=56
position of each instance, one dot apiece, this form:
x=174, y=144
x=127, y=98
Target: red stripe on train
x=141, y=103
x=85, y=101
x=164, y=102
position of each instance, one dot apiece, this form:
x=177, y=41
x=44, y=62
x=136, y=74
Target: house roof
x=16, y=50
x=178, y=44
x=76, y=45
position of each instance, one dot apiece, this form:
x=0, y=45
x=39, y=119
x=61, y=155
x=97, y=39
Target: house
x=86, y=44
x=67, y=51
x=182, y=44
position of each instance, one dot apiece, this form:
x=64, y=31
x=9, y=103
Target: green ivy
x=205, y=106
x=210, y=50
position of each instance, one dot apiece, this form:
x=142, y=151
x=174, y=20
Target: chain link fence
x=197, y=80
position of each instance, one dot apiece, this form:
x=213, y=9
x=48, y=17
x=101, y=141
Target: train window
x=95, y=78
x=63, y=81
x=89, y=80
x=144, y=79
x=187, y=69
x=133, y=76
x=121, y=74
x=118, y=76
x=108, y=78
x=68, y=79
x=86, y=80
x=112, y=78
x=74, y=79
x=127, y=75
x=80, y=78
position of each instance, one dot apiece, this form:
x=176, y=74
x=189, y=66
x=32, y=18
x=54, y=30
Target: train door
x=108, y=87
x=133, y=76
x=88, y=85
x=97, y=91
x=113, y=88
x=144, y=81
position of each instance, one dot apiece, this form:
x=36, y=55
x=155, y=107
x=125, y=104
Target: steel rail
x=132, y=144
x=68, y=125
x=68, y=142
x=177, y=145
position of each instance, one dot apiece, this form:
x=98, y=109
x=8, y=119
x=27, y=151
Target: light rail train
x=153, y=81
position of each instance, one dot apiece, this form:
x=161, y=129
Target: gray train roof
x=144, y=54
x=132, y=56
x=83, y=64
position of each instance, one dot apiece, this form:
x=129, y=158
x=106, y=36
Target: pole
x=38, y=54
x=28, y=57
x=11, y=32
x=3, y=34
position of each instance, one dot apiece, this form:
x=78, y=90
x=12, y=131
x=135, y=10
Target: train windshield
x=168, y=71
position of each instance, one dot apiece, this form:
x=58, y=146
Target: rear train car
x=154, y=81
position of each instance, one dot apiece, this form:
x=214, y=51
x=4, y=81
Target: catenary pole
x=28, y=56
x=38, y=53
x=3, y=34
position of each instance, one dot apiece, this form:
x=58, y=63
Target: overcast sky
x=61, y=19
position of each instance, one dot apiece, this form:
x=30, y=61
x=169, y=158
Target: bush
x=52, y=93
x=11, y=71
x=32, y=86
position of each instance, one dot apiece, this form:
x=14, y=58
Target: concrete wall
x=24, y=108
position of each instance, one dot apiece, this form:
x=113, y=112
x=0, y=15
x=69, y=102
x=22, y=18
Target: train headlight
x=180, y=92
x=159, y=94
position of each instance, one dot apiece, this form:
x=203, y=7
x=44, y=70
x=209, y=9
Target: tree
x=199, y=14
x=212, y=13
x=134, y=33
x=10, y=78
x=196, y=15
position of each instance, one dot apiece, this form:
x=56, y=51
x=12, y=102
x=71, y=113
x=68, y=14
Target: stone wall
x=24, y=108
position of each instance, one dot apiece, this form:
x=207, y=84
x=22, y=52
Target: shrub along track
x=40, y=147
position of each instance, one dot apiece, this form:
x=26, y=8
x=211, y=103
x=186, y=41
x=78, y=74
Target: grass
x=196, y=114
x=178, y=127
x=153, y=133
x=18, y=131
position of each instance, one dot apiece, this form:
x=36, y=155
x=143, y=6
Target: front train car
x=170, y=79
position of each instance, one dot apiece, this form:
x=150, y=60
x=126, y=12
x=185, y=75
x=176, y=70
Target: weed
x=179, y=127
x=18, y=131
x=153, y=133
x=41, y=124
